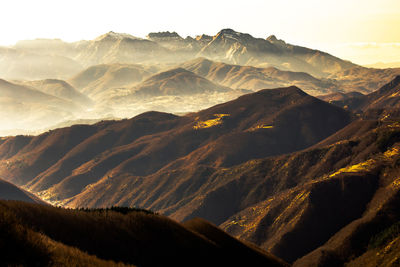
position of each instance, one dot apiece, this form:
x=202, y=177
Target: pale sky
x=364, y=31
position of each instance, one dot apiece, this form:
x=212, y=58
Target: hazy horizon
x=336, y=27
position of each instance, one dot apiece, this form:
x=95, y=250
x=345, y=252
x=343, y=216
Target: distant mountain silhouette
x=32, y=65
x=119, y=48
x=247, y=77
x=176, y=82
x=227, y=46
x=61, y=89
x=96, y=81
x=24, y=106
x=239, y=48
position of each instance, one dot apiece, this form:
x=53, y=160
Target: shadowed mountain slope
x=9, y=191
x=232, y=245
x=352, y=101
x=329, y=201
x=387, y=97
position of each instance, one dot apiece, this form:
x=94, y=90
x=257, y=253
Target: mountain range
x=158, y=151
x=233, y=164
x=227, y=46
x=119, y=75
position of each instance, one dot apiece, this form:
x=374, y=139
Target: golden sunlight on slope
x=210, y=123
x=362, y=166
x=260, y=126
x=368, y=164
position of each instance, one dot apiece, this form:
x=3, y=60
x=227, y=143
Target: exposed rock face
x=164, y=36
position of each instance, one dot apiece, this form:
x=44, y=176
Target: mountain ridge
x=205, y=136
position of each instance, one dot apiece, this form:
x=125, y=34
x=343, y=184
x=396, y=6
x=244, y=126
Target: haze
x=361, y=31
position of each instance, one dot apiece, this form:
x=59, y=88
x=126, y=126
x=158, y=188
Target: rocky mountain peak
x=229, y=33
x=204, y=38
x=272, y=38
x=112, y=36
x=164, y=36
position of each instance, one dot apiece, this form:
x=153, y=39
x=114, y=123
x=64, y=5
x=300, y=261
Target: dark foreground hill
x=36, y=235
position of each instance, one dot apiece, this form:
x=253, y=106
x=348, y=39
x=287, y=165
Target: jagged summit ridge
x=115, y=36
x=164, y=36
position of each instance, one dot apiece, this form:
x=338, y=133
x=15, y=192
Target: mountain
x=42, y=46
x=364, y=80
x=168, y=48
x=61, y=89
x=250, y=254
x=387, y=97
x=166, y=149
x=243, y=49
x=18, y=64
x=23, y=107
x=119, y=48
x=171, y=40
x=383, y=102
x=330, y=196
x=344, y=190
x=164, y=37
x=252, y=78
x=9, y=191
x=352, y=100
x=96, y=81
x=116, y=237
x=126, y=90
x=175, y=82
